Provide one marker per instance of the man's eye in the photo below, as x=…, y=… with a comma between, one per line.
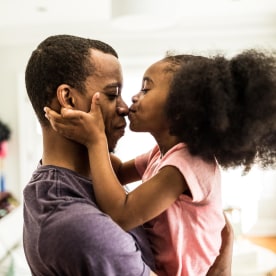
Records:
x=112, y=97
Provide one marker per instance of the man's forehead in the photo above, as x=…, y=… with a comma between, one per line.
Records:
x=107, y=65
x=107, y=70
x=98, y=56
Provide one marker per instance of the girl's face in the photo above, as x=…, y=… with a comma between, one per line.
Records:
x=147, y=113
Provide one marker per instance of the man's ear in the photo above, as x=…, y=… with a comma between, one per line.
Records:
x=65, y=96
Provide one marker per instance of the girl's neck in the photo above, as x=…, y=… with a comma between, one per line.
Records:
x=166, y=142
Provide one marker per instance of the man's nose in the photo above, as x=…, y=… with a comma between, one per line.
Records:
x=122, y=108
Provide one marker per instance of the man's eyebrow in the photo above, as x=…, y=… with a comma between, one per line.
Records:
x=112, y=86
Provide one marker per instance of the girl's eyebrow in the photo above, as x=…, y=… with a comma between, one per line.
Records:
x=147, y=79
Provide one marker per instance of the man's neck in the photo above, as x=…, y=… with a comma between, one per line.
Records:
x=62, y=152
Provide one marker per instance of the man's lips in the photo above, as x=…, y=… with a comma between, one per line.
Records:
x=123, y=126
x=121, y=129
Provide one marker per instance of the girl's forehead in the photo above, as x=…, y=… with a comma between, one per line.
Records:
x=157, y=67
x=157, y=74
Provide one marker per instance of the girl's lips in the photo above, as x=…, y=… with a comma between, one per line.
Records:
x=131, y=108
x=131, y=112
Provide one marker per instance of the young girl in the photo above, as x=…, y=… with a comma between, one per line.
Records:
x=202, y=112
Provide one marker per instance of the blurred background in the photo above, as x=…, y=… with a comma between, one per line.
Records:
x=141, y=32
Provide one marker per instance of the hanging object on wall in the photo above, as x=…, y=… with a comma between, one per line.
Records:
x=4, y=137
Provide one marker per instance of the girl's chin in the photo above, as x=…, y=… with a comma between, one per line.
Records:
x=136, y=128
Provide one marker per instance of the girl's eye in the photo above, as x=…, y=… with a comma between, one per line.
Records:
x=144, y=90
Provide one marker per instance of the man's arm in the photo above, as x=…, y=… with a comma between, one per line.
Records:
x=223, y=263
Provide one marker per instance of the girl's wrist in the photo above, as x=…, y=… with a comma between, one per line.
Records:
x=100, y=142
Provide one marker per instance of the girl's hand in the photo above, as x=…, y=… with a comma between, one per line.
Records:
x=82, y=127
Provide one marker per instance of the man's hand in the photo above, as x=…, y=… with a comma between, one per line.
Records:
x=223, y=263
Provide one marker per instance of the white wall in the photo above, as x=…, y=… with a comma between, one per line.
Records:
x=12, y=63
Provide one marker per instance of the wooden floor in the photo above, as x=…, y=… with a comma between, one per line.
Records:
x=267, y=242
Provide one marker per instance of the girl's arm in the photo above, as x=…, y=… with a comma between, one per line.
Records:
x=142, y=204
x=128, y=210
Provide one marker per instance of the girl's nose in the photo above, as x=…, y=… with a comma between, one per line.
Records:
x=135, y=98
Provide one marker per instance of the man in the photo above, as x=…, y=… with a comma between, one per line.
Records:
x=65, y=233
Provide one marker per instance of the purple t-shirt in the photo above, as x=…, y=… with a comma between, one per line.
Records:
x=65, y=233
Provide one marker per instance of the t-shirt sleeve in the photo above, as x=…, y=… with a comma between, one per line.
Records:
x=199, y=175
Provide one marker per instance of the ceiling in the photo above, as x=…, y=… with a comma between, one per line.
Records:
x=144, y=26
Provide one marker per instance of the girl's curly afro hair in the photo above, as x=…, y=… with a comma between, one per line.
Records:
x=225, y=108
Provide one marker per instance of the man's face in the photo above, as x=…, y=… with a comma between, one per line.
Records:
x=108, y=80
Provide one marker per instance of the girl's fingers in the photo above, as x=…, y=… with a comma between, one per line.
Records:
x=62, y=118
x=96, y=106
x=70, y=113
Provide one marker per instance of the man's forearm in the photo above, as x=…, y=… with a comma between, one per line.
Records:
x=223, y=263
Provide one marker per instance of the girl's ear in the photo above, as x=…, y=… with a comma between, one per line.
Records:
x=65, y=96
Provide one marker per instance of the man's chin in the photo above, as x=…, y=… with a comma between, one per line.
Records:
x=111, y=150
x=111, y=147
